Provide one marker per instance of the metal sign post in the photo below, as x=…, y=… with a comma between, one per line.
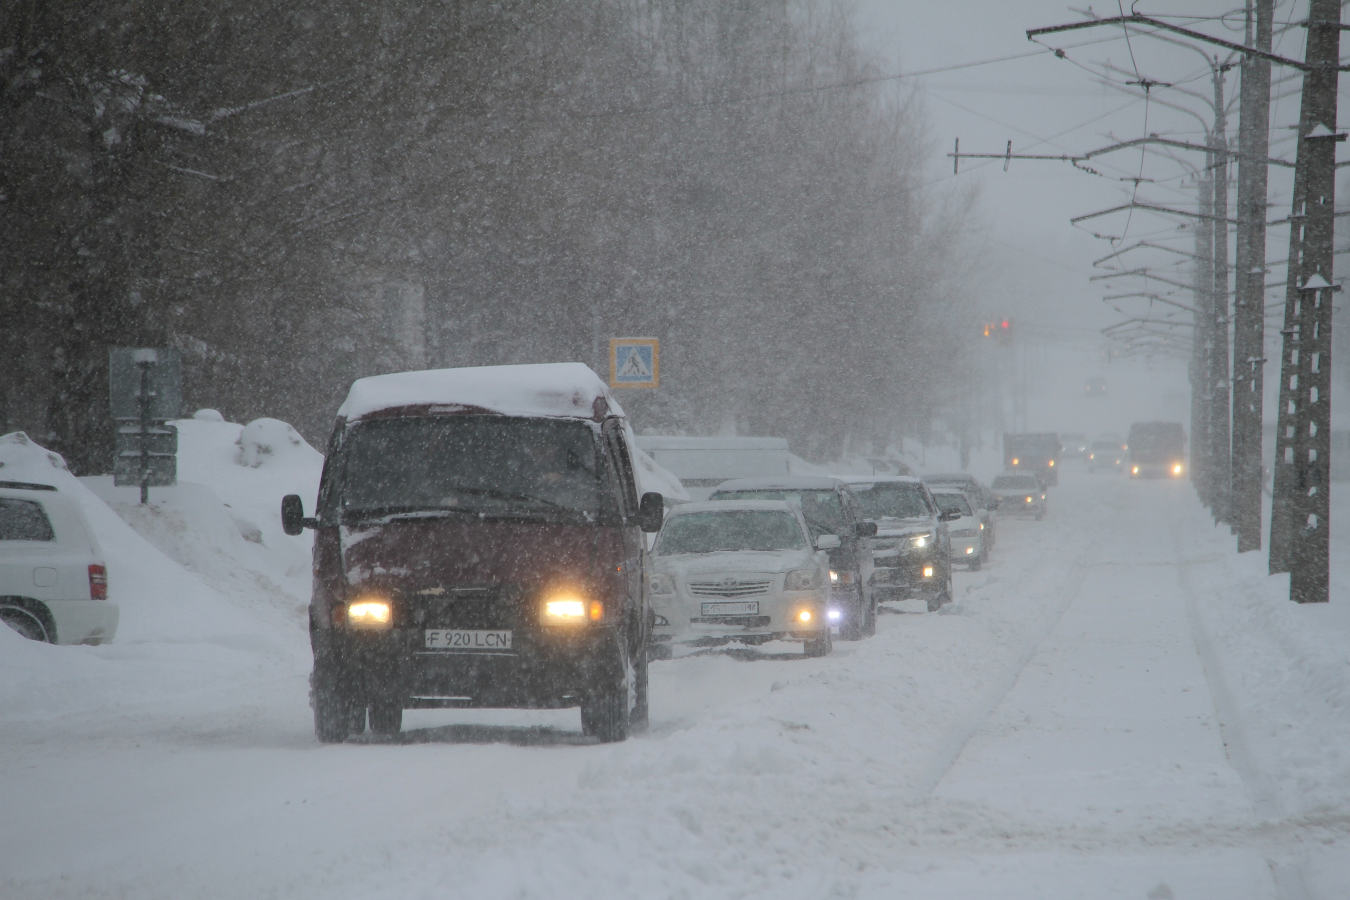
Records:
x=144, y=393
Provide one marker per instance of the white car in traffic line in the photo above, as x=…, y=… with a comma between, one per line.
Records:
x=967, y=532
x=740, y=570
x=53, y=577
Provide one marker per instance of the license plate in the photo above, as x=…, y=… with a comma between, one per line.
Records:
x=740, y=608
x=465, y=639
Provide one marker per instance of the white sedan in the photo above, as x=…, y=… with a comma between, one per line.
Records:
x=740, y=570
x=53, y=579
x=967, y=532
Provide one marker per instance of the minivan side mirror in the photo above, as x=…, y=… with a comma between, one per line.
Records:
x=651, y=510
x=866, y=529
x=828, y=542
x=950, y=515
x=293, y=519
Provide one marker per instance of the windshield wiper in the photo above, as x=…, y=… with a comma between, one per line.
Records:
x=498, y=494
x=405, y=511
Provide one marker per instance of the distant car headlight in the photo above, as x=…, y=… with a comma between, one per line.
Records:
x=919, y=541
x=802, y=580
x=834, y=614
x=982, y=526
x=662, y=583
x=1177, y=469
x=837, y=577
x=1031, y=499
x=370, y=612
x=1052, y=463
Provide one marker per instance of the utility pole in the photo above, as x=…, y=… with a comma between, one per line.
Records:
x=1300, y=516
x=1249, y=307
x=1218, y=349
x=1203, y=471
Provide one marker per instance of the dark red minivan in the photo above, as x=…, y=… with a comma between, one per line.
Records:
x=479, y=543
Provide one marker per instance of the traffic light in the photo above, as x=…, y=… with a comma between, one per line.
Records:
x=1000, y=330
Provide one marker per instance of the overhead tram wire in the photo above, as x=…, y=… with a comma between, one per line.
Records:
x=832, y=86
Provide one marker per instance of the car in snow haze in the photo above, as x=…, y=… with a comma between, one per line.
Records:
x=479, y=543
x=966, y=529
x=981, y=497
x=911, y=552
x=1019, y=494
x=1107, y=454
x=829, y=508
x=740, y=570
x=53, y=577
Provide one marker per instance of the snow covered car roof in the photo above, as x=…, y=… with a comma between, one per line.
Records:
x=784, y=482
x=857, y=480
x=728, y=505
x=565, y=390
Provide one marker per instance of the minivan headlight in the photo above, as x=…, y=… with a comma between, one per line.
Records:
x=571, y=609
x=802, y=580
x=919, y=541
x=371, y=612
x=662, y=583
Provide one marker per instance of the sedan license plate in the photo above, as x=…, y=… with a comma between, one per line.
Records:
x=739, y=608
x=467, y=639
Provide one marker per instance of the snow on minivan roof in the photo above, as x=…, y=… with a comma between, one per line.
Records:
x=570, y=390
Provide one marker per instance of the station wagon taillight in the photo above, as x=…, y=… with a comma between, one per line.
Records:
x=98, y=582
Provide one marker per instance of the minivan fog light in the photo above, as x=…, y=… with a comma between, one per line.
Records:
x=369, y=612
x=804, y=616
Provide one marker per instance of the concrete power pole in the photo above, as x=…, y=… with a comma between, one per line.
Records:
x=1218, y=391
x=1202, y=376
x=1300, y=516
x=1249, y=308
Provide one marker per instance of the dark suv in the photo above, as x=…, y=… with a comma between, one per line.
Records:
x=829, y=507
x=479, y=543
x=912, y=549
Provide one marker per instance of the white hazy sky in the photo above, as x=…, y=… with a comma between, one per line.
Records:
x=1040, y=263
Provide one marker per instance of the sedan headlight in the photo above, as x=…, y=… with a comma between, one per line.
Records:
x=370, y=612
x=919, y=541
x=662, y=583
x=802, y=580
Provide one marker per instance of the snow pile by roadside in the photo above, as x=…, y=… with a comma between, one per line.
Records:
x=1287, y=674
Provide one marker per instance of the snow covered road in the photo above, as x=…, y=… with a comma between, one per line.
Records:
x=1079, y=723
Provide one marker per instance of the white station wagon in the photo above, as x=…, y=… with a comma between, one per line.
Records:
x=740, y=570
x=53, y=579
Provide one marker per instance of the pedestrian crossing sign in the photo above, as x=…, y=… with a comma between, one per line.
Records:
x=634, y=362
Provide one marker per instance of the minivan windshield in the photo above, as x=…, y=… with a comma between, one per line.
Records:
x=892, y=500
x=490, y=465
x=733, y=529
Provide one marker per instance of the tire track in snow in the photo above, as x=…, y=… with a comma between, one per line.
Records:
x=941, y=762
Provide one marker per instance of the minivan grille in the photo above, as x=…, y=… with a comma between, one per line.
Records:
x=730, y=587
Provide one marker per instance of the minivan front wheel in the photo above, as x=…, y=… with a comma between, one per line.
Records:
x=386, y=717
x=333, y=714
x=605, y=709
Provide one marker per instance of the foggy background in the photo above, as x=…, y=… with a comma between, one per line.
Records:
x=298, y=196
